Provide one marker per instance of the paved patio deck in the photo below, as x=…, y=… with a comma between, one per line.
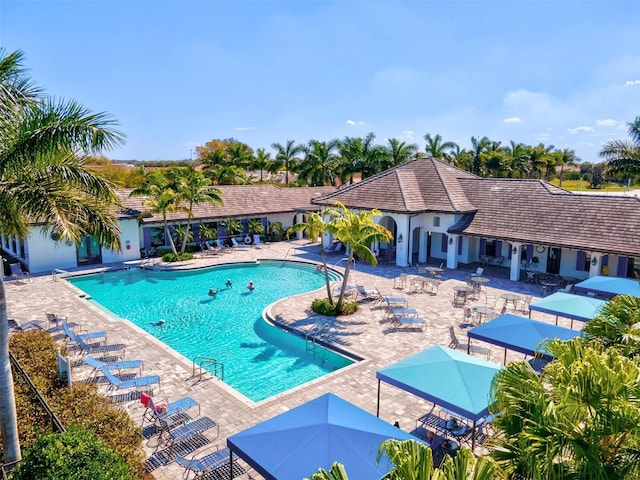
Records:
x=366, y=333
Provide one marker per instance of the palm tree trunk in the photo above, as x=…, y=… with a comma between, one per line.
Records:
x=345, y=281
x=326, y=272
x=167, y=233
x=8, y=418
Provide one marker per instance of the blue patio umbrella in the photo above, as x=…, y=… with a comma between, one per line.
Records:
x=609, y=287
x=454, y=380
x=296, y=443
x=520, y=334
x=567, y=305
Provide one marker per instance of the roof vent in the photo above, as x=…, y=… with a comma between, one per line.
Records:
x=496, y=188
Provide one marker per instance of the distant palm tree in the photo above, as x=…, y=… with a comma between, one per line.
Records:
x=287, y=157
x=436, y=148
x=43, y=177
x=624, y=156
x=517, y=158
x=567, y=158
x=193, y=188
x=478, y=147
x=319, y=164
x=262, y=161
x=399, y=153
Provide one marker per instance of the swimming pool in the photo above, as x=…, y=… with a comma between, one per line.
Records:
x=259, y=359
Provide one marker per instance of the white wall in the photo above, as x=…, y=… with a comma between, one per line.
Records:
x=46, y=255
x=130, y=241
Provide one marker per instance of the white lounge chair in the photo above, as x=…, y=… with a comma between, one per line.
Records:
x=257, y=242
x=236, y=244
x=17, y=272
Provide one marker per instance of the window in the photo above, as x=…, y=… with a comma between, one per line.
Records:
x=436, y=221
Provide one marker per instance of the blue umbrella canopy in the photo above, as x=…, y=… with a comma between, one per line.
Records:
x=446, y=377
x=575, y=307
x=315, y=434
x=609, y=286
x=520, y=334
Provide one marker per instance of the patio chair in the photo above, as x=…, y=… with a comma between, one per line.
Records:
x=221, y=245
x=114, y=349
x=164, y=413
x=456, y=345
x=524, y=304
x=186, y=432
x=400, y=281
x=70, y=335
x=407, y=317
x=98, y=365
x=17, y=272
x=208, y=464
x=115, y=383
x=257, y=242
x=236, y=244
x=367, y=294
x=210, y=249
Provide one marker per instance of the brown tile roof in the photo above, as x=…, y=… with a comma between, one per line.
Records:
x=421, y=185
x=244, y=201
x=533, y=211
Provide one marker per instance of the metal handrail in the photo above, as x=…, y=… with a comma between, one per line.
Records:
x=218, y=367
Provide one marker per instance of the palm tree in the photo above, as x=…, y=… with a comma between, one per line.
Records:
x=624, y=156
x=357, y=232
x=360, y=155
x=232, y=226
x=315, y=227
x=577, y=420
x=517, y=158
x=159, y=198
x=618, y=325
x=319, y=164
x=436, y=148
x=262, y=161
x=478, y=147
x=43, y=176
x=194, y=188
x=566, y=158
x=399, y=153
x=286, y=157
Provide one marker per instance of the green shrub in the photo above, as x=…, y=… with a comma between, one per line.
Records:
x=73, y=455
x=322, y=306
x=81, y=405
x=177, y=257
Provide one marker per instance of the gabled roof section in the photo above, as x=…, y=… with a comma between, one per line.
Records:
x=244, y=201
x=421, y=185
x=534, y=211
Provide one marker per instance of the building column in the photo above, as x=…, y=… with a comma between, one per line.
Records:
x=299, y=219
x=402, y=242
x=514, y=271
x=594, y=267
x=422, y=248
x=452, y=251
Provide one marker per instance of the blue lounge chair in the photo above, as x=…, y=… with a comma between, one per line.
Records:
x=203, y=465
x=93, y=349
x=137, y=382
x=162, y=412
x=70, y=335
x=236, y=244
x=98, y=365
x=186, y=432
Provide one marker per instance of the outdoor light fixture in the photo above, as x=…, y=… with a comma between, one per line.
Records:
x=515, y=250
x=594, y=261
x=400, y=238
x=450, y=240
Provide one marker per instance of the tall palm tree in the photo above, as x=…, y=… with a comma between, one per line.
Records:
x=315, y=227
x=399, y=153
x=436, y=148
x=517, y=158
x=193, y=188
x=43, y=176
x=566, y=158
x=286, y=156
x=360, y=155
x=262, y=161
x=159, y=198
x=478, y=147
x=320, y=162
x=577, y=420
x=624, y=156
x=357, y=232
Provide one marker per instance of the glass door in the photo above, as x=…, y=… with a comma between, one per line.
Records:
x=89, y=251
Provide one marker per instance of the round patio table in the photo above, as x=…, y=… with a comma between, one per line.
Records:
x=480, y=280
x=510, y=298
x=433, y=271
x=483, y=312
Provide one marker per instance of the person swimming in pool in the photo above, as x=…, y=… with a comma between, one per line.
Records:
x=251, y=286
x=229, y=284
x=159, y=323
x=213, y=291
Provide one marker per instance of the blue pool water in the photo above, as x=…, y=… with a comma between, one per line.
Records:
x=259, y=360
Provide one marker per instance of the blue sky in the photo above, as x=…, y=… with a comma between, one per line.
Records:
x=176, y=74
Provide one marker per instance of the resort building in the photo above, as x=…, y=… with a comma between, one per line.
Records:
x=436, y=212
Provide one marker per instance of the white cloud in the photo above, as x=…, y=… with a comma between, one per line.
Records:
x=582, y=129
x=631, y=83
x=353, y=122
x=244, y=128
x=608, y=122
x=512, y=120
x=524, y=100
